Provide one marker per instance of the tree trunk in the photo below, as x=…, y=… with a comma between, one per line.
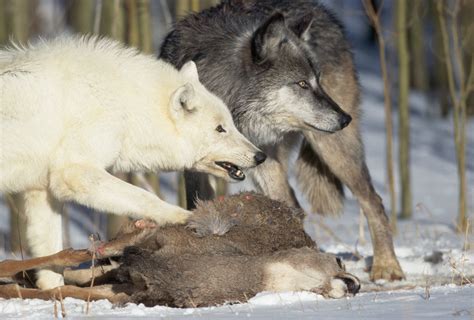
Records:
x=114, y=222
x=458, y=96
x=3, y=23
x=465, y=76
x=419, y=77
x=146, y=45
x=182, y=8
x=375, y=20
x=144, y=26
x=404, y=111
x=112, y=19
x=133, y=35
x=221, y=187
x=17, y=21
x=181, y=191
x=18, y=243
x=440, y=76
x=112, y=24
x=467, y=36
x=81, y=16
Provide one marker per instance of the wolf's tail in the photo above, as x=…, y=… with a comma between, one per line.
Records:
x=321, y=187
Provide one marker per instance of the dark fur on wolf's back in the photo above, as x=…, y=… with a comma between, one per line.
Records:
x=243, y=224
x=245, y=50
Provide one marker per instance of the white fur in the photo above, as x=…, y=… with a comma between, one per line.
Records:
x=73, y=107
x=282, y=277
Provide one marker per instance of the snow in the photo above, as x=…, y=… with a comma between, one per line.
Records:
x=447, y=302
x=429, y=290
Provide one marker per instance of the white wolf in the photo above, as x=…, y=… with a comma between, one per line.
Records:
x=72, y=107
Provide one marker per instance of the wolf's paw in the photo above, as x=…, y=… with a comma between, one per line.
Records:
x=387, y=270
x=48, y=279
x=180, y=217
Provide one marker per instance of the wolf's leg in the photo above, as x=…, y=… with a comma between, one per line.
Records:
x=96, y=188
x=271, y=179
x=197, y=187
x=343, y=153
x=321, y=187
x=44, y=232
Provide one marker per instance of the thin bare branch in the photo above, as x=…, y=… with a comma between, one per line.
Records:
x=375, y=20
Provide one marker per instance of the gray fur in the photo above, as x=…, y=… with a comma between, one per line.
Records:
x=251, y=53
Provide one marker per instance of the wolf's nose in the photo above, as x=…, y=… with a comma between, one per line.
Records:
x=345, y=120
x=260, y=157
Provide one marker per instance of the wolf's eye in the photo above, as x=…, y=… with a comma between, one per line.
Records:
x=303, y=84
x=220, y=129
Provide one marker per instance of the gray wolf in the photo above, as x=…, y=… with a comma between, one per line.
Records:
x=246, y=244
x=286, y=71
x=71, y=108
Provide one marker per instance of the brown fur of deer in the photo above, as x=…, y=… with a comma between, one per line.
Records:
x=230, y=250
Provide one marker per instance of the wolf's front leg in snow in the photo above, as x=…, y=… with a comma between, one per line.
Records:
x=96, y=188
x=44, y=232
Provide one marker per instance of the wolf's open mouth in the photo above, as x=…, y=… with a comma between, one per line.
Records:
x=234, y=171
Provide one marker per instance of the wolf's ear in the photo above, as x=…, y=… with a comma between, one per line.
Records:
x=181, y=101
x=189, y=71
x=302, y=27
x=267, y=38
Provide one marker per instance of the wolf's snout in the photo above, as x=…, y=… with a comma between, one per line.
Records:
x=345, y=120
x=260, y=157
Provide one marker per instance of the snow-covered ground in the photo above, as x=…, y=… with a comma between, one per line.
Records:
x=450, y=302
x=433, y=256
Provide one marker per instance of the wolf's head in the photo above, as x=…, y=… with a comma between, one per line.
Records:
x=288, y=75
x=205, y=123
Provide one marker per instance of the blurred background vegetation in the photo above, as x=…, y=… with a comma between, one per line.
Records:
x=424, y=46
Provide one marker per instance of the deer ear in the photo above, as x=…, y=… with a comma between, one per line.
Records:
x=189, y=71
x=302, y=27
x=267, y=38
x=181, y=101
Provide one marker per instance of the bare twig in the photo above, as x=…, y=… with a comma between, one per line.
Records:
x=93, y=249
x=459, y=103
x=375, y=21
x=61, y=302
x=55, y=307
